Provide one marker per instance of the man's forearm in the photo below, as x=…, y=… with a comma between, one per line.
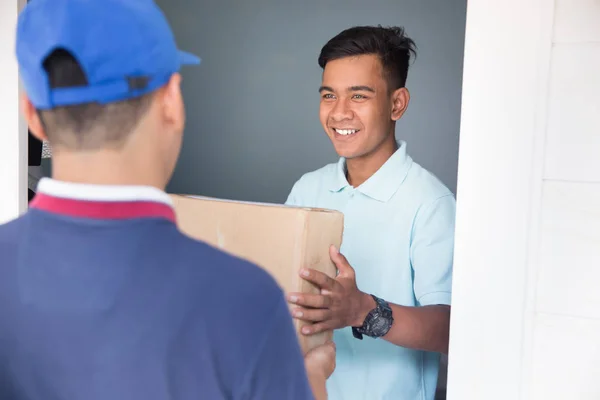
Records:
x=423, y=328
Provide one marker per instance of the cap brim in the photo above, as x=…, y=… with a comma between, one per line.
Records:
x=186, y=58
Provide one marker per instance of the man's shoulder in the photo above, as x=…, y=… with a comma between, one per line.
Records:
x=319, y=176
x=11, y=235
x=14, y=224
x=310, y=184
x=240, y=305
x=226, y=283
x=223, y=267
x=11, y=231
x=426, y=187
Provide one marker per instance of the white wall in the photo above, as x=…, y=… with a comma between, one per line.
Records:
x=526, y=306
x=13, y=130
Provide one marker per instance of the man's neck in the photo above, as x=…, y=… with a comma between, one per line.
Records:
x=104, y=169
x=359, y=169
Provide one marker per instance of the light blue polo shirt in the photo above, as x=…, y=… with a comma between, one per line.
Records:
x=399, y=237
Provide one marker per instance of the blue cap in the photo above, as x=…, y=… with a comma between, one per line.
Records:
x=113, y=41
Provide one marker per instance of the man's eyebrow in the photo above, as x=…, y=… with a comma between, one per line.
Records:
x=362, y=89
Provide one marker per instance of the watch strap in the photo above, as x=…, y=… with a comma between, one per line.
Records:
x=381, y=310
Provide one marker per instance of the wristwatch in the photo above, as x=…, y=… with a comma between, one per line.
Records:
x=377, y=323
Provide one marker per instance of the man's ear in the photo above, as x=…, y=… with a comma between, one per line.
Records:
x=171, y=103
x=400, y=100
x=32, y=117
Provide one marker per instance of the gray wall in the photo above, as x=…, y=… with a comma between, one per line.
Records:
x=252, y=106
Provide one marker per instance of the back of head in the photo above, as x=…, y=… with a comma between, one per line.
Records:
x=91, y=79
x=88, y=126
x=391, y=45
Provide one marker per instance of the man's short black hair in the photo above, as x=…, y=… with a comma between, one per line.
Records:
x=391, y=45
x=90, y=126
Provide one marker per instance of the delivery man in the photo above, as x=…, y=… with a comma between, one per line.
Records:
x=101, y=297
x=390, y=303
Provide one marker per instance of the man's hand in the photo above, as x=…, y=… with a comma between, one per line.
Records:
x=320, y=361
x=320, y=364
x=339, y=304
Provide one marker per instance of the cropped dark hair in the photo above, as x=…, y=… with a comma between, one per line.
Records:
x=90, y=126
x=391, y=45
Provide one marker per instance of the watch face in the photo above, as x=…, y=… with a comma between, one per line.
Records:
x=380, y=325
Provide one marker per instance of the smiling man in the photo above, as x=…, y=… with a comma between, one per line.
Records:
x=390, y=303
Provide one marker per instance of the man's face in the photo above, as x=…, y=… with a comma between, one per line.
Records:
x=357, y=109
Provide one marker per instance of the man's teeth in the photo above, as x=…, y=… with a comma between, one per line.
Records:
x=346, y=131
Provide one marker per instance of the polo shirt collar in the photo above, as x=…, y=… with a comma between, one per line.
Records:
x=382, y=185
x=102, y=201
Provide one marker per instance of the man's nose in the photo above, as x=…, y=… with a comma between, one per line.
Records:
x=341, y=111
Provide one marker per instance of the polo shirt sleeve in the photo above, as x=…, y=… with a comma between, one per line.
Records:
x=432, y=251
x=295, y=196
x=278, y=372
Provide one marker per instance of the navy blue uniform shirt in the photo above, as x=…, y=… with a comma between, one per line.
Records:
x=103, y=298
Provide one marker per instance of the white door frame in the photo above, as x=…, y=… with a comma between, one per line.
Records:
x=506, y=69
x=13, y=131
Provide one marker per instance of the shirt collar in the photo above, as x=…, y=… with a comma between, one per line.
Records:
x=384, y=182
x=102, y=201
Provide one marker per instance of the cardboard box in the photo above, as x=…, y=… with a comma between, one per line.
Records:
x=280, y=239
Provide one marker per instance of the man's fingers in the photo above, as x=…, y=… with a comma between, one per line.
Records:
x=318, y=278
x=310, y=300
x=311, y=315
x=317, y=328
x=340, y=261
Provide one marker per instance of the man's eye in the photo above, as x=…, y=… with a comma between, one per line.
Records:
x=328, y=96
x=358, y=96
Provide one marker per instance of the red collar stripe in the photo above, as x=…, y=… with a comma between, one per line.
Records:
x=102, y=209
